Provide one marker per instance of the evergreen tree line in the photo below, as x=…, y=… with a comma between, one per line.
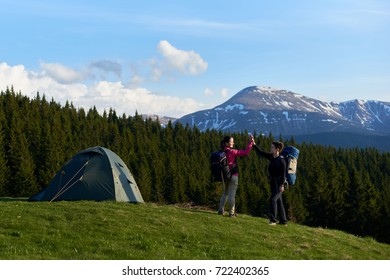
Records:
x=346, y=189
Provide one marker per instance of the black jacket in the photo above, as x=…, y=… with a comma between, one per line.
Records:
x=276, y=167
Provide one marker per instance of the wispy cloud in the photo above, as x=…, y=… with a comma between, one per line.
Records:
x=359, y=15
x=225, y=92
x=62, y=74
x=208, y=92
x=96, y=70
x=108, y=67
x=195, y=23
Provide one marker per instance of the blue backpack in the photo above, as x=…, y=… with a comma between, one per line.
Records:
x=291, y=155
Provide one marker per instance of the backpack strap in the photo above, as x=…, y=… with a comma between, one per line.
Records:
x=282, y=158
x=223, y=180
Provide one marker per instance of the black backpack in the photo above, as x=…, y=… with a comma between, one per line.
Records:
x=219, y=166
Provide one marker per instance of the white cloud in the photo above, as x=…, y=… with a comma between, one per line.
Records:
x=136, y=80
x=186, y=62
x=29, y=83
x=208, y=92
x=224, y=92
x=102, y=94
x=101, y=69
x=127, y=100
x=62, y=73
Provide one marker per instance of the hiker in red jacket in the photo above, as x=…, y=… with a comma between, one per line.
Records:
x=277, y=179
x=229, y=193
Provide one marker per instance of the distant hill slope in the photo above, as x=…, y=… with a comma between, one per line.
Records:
x=347, y=140
x=281, y=112
x=121, y=231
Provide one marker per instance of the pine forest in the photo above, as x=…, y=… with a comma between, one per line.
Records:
x=345, y=189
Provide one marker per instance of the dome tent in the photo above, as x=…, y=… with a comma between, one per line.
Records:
x=96, y=173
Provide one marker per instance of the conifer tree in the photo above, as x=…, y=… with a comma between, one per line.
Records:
x=144, y=181
x=368, y=207
x=4, y=169
x=340, y=197
x=22, y=167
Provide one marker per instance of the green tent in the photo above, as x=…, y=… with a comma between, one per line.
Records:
x=97, y=174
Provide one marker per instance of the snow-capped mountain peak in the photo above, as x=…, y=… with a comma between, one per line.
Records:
x=266, y=109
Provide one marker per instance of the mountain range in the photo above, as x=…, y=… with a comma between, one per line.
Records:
x=268, y=110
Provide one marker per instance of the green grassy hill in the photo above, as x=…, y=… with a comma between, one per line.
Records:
x=117, y=231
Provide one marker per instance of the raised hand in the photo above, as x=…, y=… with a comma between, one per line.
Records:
x=252, y=139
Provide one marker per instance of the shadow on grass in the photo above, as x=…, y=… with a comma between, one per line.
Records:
x=5, y=199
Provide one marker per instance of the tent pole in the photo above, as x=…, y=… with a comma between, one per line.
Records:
x=61, y=191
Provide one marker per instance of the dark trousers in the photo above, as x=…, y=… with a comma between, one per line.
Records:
x=276, y=203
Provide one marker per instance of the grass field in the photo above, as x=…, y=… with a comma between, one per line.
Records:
x=120, y=231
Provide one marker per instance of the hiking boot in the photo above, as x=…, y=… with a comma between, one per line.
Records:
x=233, y=215
x=220, y=212
x=272, y=223
x=283, y=224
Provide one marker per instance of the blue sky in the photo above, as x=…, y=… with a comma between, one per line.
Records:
x=175, y=57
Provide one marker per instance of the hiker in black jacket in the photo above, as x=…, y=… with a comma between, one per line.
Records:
x=277, y=179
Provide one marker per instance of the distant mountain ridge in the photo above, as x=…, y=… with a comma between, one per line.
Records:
x=162, y=120
x=282, y=112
